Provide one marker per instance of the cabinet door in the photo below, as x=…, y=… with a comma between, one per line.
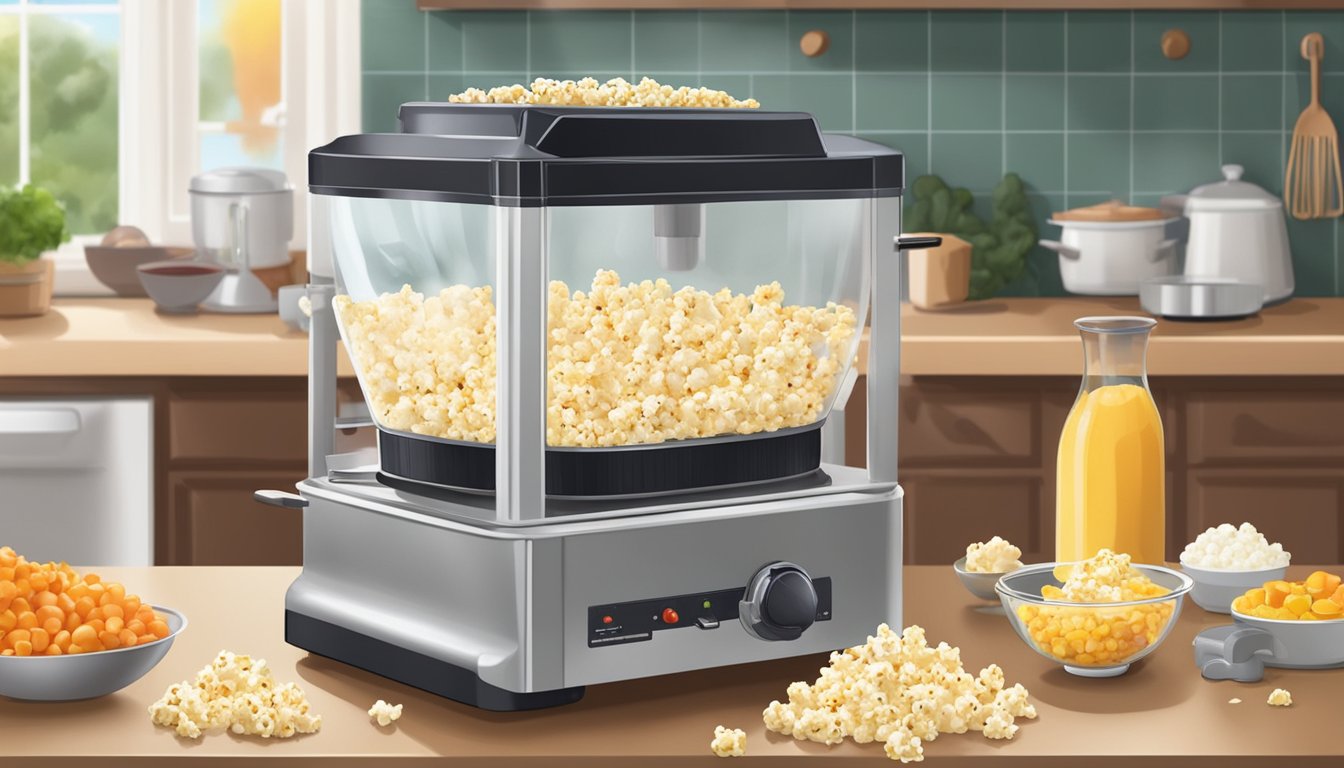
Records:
x=222, y=423
x=215, y=521
x=945, y=510
x=1301, y=508
x=1280, y=426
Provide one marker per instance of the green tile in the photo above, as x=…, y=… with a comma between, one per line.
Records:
x=1035, y=41
x=1297, y=94
x=1261, y=154
x=580, y=41
x=1038, y=158
x=1248, y=102
x=966, y=41
x=666, y=40
x=494, y=41
x=829, y=98
x=392, y=36
x=838, y=25
x=915, y=147
x=1084, y=200
x=1250, y=43
x=1099, y=162
x=747, y=41
x=1098, y=103
x=967, y=102
x=441, y=86
x=1098, y=41
x=1034, y=102
x=1169, y=163
x=971, y=160
x=891, y=41
x=382, y=95
x=1312, y=244
x=1170, y=102
x=445, y=42
x=738, y=86
x=1331, y=26
x=1202, y=27
x=892, y=102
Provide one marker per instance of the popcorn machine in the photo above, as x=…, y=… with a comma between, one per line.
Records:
x=600, y=347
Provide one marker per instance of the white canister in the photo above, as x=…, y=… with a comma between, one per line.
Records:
x=1112, y=258
x=265, y=202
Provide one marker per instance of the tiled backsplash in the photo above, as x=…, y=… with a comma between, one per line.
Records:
x=1082, y=104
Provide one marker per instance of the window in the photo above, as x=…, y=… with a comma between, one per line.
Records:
x=115, y=104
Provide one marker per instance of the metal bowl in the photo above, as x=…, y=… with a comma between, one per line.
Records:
x=1215, y=590
x=85, y=675
x=979, y=584
x=1301, y=644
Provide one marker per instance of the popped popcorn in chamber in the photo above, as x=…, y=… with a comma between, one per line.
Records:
x=898, y=690
x=994, y=556
x=627, y=364
x=616, y=92
x=237, y=693
x=728, y=742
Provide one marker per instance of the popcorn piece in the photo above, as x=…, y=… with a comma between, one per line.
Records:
x=616, y=92
x=627, y=364
x=1280, y=697
x=1239, y=549
x=385, y=713
x=993, y=556
x=898, y=690
x=237, y=693
x=1234, y=700
x=729, y=742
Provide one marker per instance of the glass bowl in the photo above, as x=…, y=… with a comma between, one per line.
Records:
x=1090, y=639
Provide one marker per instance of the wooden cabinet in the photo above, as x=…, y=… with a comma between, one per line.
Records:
x=978, y=459
x=213, y=519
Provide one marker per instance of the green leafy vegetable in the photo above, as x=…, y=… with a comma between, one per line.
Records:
x=31, y=221
x=999, y=250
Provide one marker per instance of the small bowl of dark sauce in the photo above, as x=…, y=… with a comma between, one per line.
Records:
x=178, y=287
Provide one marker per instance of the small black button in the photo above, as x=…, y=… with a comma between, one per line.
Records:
x=707, y=622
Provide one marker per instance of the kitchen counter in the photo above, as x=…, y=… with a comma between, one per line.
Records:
x=1161, y=712
x=1036, y=337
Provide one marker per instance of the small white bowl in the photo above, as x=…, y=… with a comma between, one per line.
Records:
x=85, y=675
x=1215, y=590
x=979, y=584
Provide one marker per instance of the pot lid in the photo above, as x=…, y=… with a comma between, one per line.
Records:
x=234, y=181
x=1111, y=210
x=1230, y=194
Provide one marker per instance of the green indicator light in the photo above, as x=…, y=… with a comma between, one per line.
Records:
x=706, y=604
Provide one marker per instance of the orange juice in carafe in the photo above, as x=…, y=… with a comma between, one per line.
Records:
x=1110, y=483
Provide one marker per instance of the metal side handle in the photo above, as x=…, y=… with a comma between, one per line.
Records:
x=283, y=499
x=911, y=243
x=1233, y=652
x=39, y=421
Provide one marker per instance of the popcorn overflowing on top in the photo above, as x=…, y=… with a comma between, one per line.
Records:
x=1239, y=549
x=616, y=92
x=1107, y=577
x=994, y=556
x=728, y=742
x=627, y=364
x=898, y=690
x=237, y=693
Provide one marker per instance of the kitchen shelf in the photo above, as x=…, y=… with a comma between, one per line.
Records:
x=942, y=5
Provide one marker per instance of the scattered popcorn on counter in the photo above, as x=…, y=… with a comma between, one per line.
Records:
x=628, y=364
x=1234, y=701
x=729, y=742
x=898, y=690
x=237, y=693
x=385, y=713
x=616, y=92
x=994, y=556
x=1234, y=549
x=1280, y=697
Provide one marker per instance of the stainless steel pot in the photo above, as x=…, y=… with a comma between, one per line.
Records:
x=242, y=214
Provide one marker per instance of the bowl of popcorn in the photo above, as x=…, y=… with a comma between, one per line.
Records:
x=66, y=636
x=1226, y=561
x=984, y=563
x=1107, y=614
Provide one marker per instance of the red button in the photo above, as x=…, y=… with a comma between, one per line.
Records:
x=670, y=616
x=606, y=619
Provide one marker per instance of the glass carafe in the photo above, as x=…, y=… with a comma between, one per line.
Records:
x=1110, y=481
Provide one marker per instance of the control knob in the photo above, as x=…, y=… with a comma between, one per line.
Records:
x=779, y=603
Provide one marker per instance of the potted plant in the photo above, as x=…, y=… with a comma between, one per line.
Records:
x=32, y=221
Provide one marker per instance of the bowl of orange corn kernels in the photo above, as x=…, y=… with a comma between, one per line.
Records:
x=1305, y=619
x=1093, y=635
x=66, y=635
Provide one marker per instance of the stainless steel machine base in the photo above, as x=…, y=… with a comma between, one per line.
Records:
x=523, y=616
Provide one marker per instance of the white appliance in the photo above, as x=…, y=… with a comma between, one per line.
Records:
x=1112, y=258
x=242, y=218
x=77, y=478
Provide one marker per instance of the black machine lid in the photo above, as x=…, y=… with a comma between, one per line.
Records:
x=535, y=155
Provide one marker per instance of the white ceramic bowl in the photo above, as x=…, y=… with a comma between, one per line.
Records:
x=85, y=675
x=1215, y=590
x=979, y=584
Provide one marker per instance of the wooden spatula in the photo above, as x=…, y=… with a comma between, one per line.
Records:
x=1312, y=184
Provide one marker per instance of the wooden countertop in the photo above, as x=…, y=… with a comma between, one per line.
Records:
x=1162, y=712
x=1036, y=337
